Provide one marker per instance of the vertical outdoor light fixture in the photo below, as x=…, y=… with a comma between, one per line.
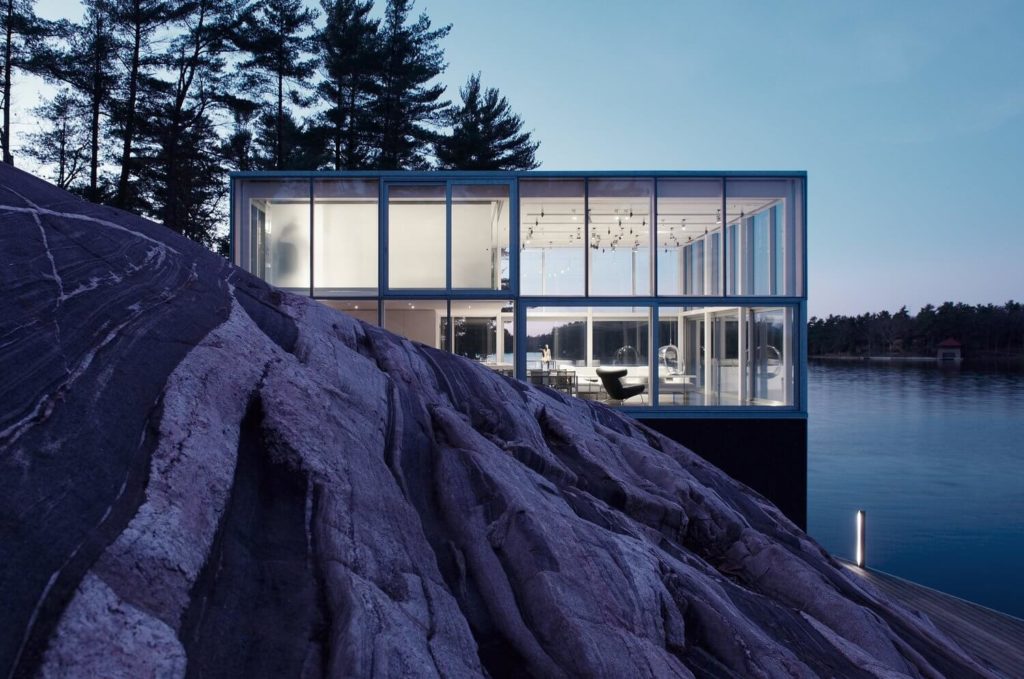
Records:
x=861, y=537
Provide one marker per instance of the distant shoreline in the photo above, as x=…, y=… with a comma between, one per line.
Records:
x=886, y=359
x=975, y=358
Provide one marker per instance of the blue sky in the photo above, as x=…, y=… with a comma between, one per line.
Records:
x=908, y=117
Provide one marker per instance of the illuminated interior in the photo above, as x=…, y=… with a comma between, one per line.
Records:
x=657, y=292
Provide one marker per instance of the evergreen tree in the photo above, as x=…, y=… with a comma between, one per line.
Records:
x=182, y=170
x=350, y=60
x=276, y=37
x=87, y=66
x=135, y=23
x=407, y=107
x=63, y=143
x=23, y=35
x=486, y=134
x=239, y=149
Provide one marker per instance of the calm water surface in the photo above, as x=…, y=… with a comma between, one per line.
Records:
x=936, y=458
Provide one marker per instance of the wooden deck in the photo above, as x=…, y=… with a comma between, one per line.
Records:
x=994, y=639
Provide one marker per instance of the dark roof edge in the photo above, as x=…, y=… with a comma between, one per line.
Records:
x=504, y=174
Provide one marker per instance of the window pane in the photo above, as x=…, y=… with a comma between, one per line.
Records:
x=620, y=227
x=345, y=236
x=689, y=215
x=480, y=227
x=771, y=366
x=566, y=347
x=551, y=237
x=277, y=226
x=416, y=236
x=727, y=356
x=560, y=331
x=680, y=356
x=483, y=331
x=363, y=309
x=424, y=321
x=766, y=246
x=761, y=262
x=620, y=341
x=693, y=258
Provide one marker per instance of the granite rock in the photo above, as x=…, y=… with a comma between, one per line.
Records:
x=203, y=476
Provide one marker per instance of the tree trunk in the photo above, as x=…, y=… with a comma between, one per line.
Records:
x=62, y=155
x=94, y=122
x=337, y=129
x=5, y=134
x=129, y=123
x=280, y=120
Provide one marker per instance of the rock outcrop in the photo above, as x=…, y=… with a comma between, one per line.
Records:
x=202, y=476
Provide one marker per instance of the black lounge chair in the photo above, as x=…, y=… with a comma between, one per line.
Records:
x=611, y=378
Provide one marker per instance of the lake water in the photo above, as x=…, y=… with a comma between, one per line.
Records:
x=936, y=458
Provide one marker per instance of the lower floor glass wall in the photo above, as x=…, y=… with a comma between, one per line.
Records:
x=597, y=353
x=484, y=330
x=726, y=356
x=697, y=355
x=421, y=320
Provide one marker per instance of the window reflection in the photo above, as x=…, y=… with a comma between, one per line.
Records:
x=483, y=330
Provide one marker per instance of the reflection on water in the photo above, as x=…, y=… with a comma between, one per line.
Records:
x=936, y=457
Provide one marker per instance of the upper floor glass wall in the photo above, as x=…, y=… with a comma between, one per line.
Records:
x=417, y=236
x=274, y=223
x=345, y=234
x=690, y=237
x=480, y=236
x=764, y=237
x=551, y=227
x=620, y=213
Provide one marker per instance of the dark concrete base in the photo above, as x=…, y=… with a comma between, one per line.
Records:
x=778, y=470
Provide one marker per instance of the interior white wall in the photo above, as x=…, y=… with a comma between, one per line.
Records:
x=419, y=325
x=345, y=254
x=288, y=244
x=473, y=242
x=416, y=245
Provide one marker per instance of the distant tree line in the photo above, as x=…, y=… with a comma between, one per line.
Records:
x=982, y=329
x=158, y=99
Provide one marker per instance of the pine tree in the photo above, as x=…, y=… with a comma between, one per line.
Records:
x=275, y=36
x=181, y=168
x=350, y=60
x=62, y=144
x=136, y=23
x=22, y=33
x=486, y=134
x=407, y=106
x=87, y=66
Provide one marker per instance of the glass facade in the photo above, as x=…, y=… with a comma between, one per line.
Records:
x=345, y=220
x=620, y=214
x=551, y=235
x=480, y=236
x=667, y=292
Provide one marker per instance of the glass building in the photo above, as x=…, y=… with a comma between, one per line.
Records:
x=676, y=296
